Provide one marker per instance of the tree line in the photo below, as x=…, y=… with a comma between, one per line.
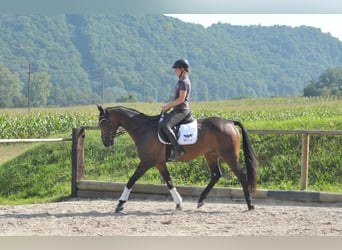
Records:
x=328, y=84
x=76, y=59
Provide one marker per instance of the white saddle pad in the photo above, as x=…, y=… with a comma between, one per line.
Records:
x=188, y=133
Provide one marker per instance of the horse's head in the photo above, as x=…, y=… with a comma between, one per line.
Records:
x=108, y=129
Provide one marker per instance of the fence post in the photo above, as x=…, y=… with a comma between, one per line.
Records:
x=77, y=158
x=305, y=161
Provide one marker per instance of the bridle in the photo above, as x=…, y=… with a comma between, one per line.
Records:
x=112, y=134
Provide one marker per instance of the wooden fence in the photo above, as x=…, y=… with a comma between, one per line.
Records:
x=79, y=185
x=78, y=134
x=34, y=140
x=305, y=146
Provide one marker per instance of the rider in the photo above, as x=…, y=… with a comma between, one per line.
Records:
x=180, y=105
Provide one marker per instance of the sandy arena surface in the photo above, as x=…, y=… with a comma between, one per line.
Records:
x=95, y=217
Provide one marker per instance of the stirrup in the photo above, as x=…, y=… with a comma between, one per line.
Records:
x=173, y=156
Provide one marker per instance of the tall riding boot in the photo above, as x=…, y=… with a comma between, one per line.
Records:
x=177, y=150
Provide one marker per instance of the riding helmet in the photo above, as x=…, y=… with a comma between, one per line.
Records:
x=181, y=63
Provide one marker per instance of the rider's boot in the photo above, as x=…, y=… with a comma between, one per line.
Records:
x=177, y=150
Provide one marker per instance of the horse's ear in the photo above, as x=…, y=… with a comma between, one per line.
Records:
x=100, y=108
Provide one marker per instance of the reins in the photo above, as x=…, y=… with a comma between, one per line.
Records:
x=121, y=132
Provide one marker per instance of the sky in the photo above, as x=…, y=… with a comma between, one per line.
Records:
x=328, y=23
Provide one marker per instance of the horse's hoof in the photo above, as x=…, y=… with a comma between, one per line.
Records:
x=118, y=209
x=178, y=207
x=200, y=204
x=251, y=207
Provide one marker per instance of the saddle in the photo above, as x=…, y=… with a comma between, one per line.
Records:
x=185, y=131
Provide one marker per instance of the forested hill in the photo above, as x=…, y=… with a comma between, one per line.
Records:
x=131, y=56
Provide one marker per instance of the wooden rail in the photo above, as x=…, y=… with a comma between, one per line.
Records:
x=78, y=135
x=78, y=152
x=95, y=189
x=34, y=140
x=305, y=146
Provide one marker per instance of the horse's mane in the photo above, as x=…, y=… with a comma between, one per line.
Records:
x=133, y=112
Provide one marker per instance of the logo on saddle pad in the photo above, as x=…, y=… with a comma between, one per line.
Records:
x=186, y=134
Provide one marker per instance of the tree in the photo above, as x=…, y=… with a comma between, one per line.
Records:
x=40, y=89
x=136, y=53
x=329, y=83
x=10, y=89
x=331, y=76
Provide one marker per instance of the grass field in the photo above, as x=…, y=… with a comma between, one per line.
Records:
x=39, y=172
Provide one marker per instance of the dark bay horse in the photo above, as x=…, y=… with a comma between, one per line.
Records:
x=217, y=138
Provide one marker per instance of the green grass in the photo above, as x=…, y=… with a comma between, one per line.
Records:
x=42, y=172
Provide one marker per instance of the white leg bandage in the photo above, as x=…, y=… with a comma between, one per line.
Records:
x=175, y=195
x=125, y=194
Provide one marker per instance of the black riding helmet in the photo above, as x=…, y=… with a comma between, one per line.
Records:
x=181, y=63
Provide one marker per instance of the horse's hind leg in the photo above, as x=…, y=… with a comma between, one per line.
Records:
x=236, y=168
x=243, y=180
x=212, y=160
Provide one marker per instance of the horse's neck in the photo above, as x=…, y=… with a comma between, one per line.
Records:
x=132, y=120
x=129, y=119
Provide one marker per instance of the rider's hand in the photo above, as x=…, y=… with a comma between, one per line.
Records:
x=166, y=108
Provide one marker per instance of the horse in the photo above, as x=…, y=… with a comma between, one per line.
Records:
x=218, y=138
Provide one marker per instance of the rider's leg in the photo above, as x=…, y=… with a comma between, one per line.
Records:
x=177, y=150
x=171, y=120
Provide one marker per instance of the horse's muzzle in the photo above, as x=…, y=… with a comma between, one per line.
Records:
x=108, y=143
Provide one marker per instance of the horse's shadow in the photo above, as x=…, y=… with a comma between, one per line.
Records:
x=56, y=215
x=97, y=214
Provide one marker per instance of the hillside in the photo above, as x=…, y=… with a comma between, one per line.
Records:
x=131, y=57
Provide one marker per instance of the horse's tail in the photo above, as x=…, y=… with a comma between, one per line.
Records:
x=250, y=159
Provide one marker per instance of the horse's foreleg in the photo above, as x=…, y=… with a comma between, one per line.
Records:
x=216, y=174
x=176, y=198
x=142, y=168
x=122, y=200
x=173, y=191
